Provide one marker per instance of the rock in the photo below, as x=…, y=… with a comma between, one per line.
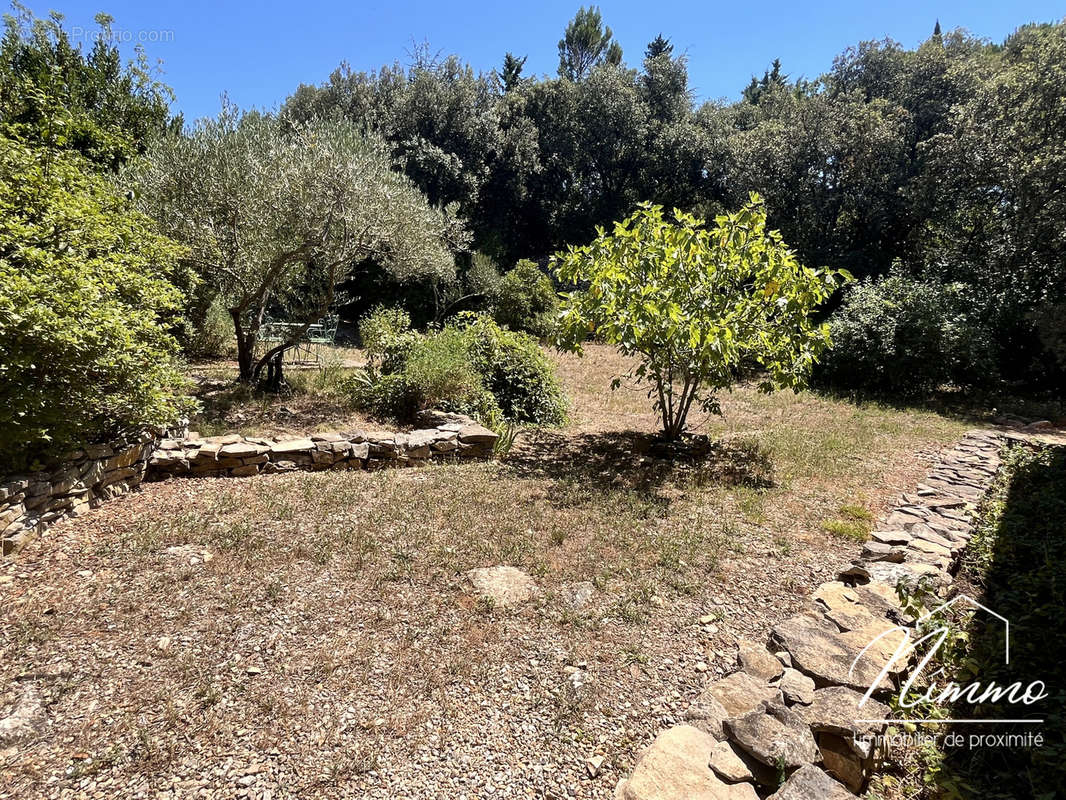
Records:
x=836, y=710
x=241, y=449
x=431, y=418
x=505, y=586
x=578, y=594
x=1039, y=425
x=756, y=660
x=740, y=692
x=292, y=446
x=843, y=763
x=676, y=767
x=784, y=658
x=811, y=783
x=878, y=551
x=727, y=765
x=797, y=687
x=774, y=735
x=708, y=715
x=822, y=653
x=472, y=433
x=593, y=766
x=26, y=719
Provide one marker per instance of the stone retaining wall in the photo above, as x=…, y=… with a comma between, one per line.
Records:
x=30, y=503
x=235, y=456
x=791, y=710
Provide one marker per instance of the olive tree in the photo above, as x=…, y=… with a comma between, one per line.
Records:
x=275, y=214
x=696, y=305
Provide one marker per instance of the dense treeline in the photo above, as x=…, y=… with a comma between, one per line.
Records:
x=936, y=176
x=947, y=159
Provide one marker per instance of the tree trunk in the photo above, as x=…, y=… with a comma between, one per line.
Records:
x=246, y=341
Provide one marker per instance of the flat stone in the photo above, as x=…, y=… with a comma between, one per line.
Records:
x=708, y=715
x=818, y=650
x=727, y=765
x=811, y=783
x=796, y=687
x=774, y=735
x=292, y=446
x=740, y=693
x=26, y=719
x=241, y=449
x=473, y=433
x=878, y=551
x=837, y=710
x=505, y=586
x=843, y=763
x=676, y=767
x=757, y=661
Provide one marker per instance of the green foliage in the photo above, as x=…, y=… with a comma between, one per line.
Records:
x=516, y=371
x=526, y=301
x=902, y=336
x=381, y=332
x=586, y=43
x=212, y=333
x=56, y=95
x=277, y=214
x=472, y=366
x=1016, y=561
x=695, y=306
x=85, y=302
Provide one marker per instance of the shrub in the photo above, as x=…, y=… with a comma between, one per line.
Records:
x=85, y=305
x=471, y=366
x=526, y=301
x=695, y=305
x=439, y=373
x=903, y=336
x=212, y=334
x=386, y=333
x=516, y=372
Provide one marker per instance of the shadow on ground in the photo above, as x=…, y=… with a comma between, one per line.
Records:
x=1020, y=572
x=639, y=461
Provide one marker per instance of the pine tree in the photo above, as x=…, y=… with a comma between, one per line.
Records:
x=512, y=71
x=586, y=43
x=658, y=47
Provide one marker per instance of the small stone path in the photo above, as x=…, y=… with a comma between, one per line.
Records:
x=792, y=709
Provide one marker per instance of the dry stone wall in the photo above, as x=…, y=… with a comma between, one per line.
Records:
x=237, y=456
x=30, y=503
x=787, y=725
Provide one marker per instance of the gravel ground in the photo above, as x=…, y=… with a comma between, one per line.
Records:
x=311, y=635
x=168, y=676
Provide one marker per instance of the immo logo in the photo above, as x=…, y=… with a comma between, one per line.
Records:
x=948, y=694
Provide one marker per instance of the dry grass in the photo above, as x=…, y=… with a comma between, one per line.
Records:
x=331, y=640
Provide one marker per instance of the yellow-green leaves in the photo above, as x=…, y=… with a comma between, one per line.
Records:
x=698, y=306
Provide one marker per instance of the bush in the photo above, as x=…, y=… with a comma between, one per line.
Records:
x=439, y=373
x=386, y=337
x=902, y=336
x=526, y=301
x=86, y=301
x=516, y=372
x=471, y=366
x=212, y=335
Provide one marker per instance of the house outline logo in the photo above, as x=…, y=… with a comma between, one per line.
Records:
x=953, y=693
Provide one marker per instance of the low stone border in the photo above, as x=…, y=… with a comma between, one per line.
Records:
x=86, y=478
x=453, y=436
x=787, y=721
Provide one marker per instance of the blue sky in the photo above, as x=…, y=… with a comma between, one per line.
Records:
x=258, y=52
